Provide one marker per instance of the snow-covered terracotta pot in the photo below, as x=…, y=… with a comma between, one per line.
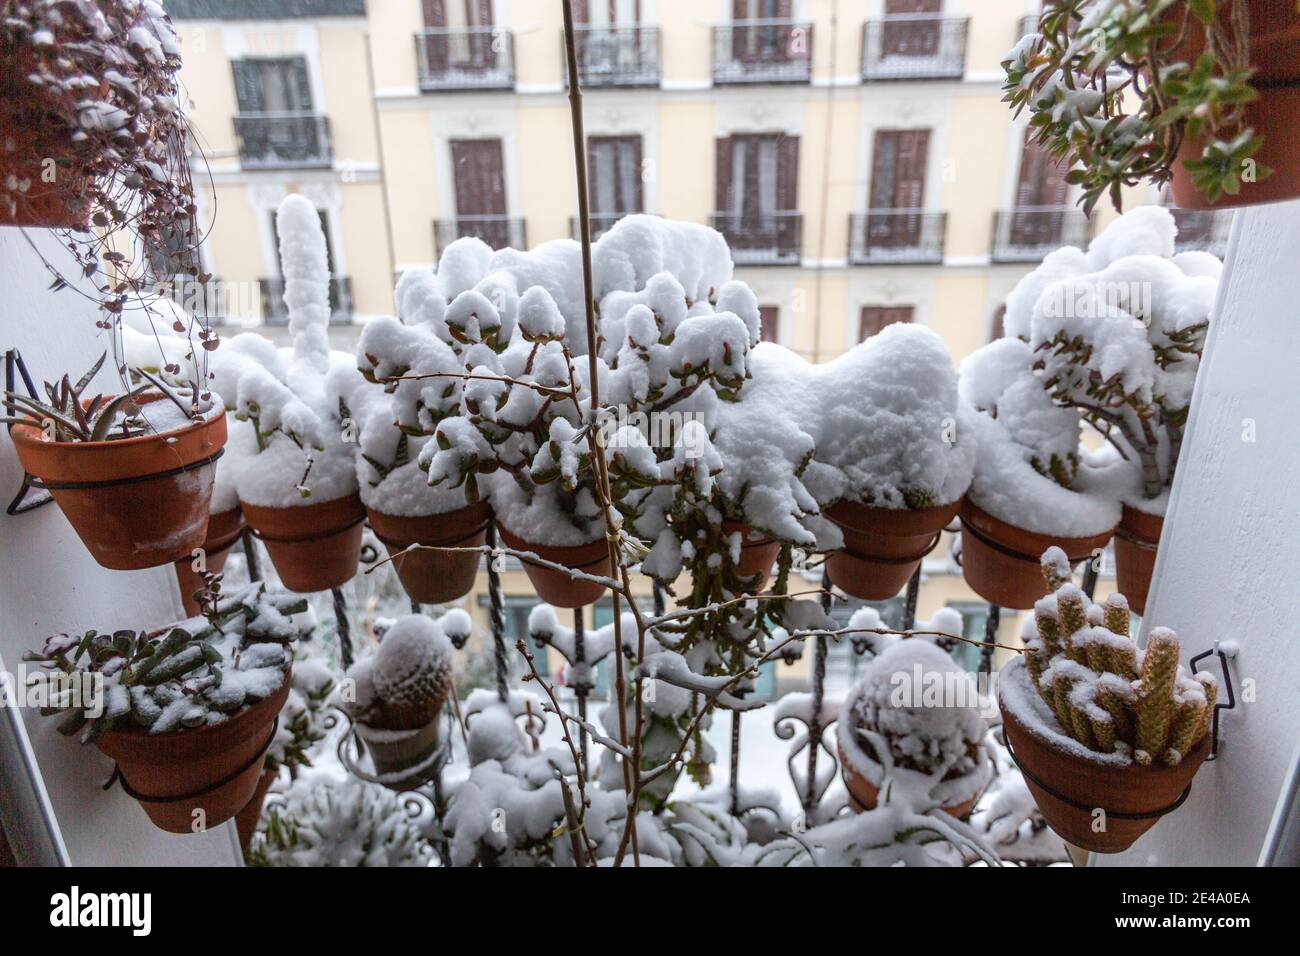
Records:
x=313, y=547
x=555, y=587
x=434, y=577
x=224, y=529
x=757, y=553
x=1136, y=540
x=863, y=793
x=1275, y=58
x=403, y=759
x=1001, y=562
x=214, y=769
x=1071, y=783
x=135, y=502
x=882, y=546
x=246, y=820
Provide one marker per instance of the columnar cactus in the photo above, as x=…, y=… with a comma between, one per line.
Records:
x=1106, y=693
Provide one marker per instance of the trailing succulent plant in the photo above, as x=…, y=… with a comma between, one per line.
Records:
x=1108, y=694
x=190, y=674
x=404, y=684
x=1107, y=86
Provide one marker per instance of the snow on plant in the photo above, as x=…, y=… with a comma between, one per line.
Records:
x=304, y=720
x=295, y=443
x=1107, y=86
x=403, y=685
x=193, y=673
x=1105, y=692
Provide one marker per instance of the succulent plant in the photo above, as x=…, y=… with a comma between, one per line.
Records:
x=1106, y=693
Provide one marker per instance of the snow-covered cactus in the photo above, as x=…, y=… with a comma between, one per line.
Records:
x=404, y=685
x=1107, y=693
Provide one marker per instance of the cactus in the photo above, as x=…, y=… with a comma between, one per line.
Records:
x=407, y=682
x=1105, y=693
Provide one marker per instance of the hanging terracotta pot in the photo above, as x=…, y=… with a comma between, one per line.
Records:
x=1000, y=562
x=1070, y=787
x=757, y=553
x=434, y=577
x=1275, y=57
x=555, y=587
x=1136, y=540
x=313, y=547
x=224, y=529
x=195, y=779
x=882, y=546
x=863, y=794
x=403, y=759
x=135, y=502
x=246, y=820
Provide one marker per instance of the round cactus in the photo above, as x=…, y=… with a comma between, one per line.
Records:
x=412, y=673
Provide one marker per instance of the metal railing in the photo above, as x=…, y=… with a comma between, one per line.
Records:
x=283, y=140
x=601, y=223
x=762, y=51
x=914, y=47
x=274, y=311
x=465, y=58
x=616, y=56
x=1031, y=232
x=898, y=236
x=773, y=238
x=1202, y=230
x=497, y=231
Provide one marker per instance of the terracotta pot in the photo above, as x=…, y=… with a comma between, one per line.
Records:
x=403, y=758
x=757, y=553
x=882, y=546
x=1000, y=562
x=1136, y=540
x=555, y=587
x=224, y=529
x=434, y=577
x=1275, y=56
x=1069, y=788
x=162, y=769
x=246, y=820
x=863, y=793
x=132, y=514
x=313, y=547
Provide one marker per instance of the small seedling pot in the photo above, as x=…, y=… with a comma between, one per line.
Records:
x=757, y=554
x=135, y=502
x=555, y=587
x=883, y=547
x=195, y=779
x=1136, y=540
x=314, y=547
x=1001, y=562
x=1089, y=801
x=224, y=529
x=434, y=577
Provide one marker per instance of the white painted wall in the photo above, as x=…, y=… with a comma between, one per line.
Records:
x=1229, y=562
x=49, y=583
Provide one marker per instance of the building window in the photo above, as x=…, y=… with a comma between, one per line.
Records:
x=1042, y=219
x=478, y=168
x=614, y=180
x=758, y=197
x=276, y=125
x=460, y=48
x=768, y=318
x=876, y=317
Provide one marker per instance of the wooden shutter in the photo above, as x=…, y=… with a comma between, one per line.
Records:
x=580, y=12
x=768, y=316
x=248, y=86
x=788, y=173
x=480, y=177
x=1043, y=189
x=898, y=167
x=911, y=37
x=722, y=194
x=876, y=317
x=301, y=85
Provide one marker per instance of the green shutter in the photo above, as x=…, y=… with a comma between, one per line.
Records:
x=248, y=86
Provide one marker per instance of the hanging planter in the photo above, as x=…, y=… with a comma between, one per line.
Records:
x=55, y=196
x=883, y=547
x=224, y=529
x=132, y=474
x=314, y=547
x=246, y=820
x=1136, y=541
x=757, y=554
x=434, y=577
x=555, y=587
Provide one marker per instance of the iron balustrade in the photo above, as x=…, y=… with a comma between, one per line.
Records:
x=914, y=47
x=283, y=140
x=897, y=236
x=601, y=223
x=274, y=311
x=465, y=58
x=762, y=51
x=1031, y=232
x=773, y=238
x=616, y=56
x=497, y=231
x=1202, y=230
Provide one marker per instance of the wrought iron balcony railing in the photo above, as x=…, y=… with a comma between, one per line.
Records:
x=465, y=58
x=773, y=238
x=283, y=140
x=497, y=231
x=1204, y=230
x=762, y=51
x=601, y=223
x=616, y=56
x=897, y=236
x=1031, y=232
x=914, y=47
x=274, y=311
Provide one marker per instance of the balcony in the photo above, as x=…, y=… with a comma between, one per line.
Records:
x=1031, y=232
x=897, y=237
x=283, y=140
x=616, y=56
x=497, y=231
x=762, y=51
x=274, y=311
x=1026, y=25
x=465, y=58
x=1202, y=230
x=914, y=47
x=773, y=238
x=601, y=223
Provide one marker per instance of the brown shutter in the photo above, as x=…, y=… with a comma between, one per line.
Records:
x=788, y=172
x=435, y=13
x=722, y=180
x=580, y=14
x=637, y=196
x=876, y=317
x=768, y=317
